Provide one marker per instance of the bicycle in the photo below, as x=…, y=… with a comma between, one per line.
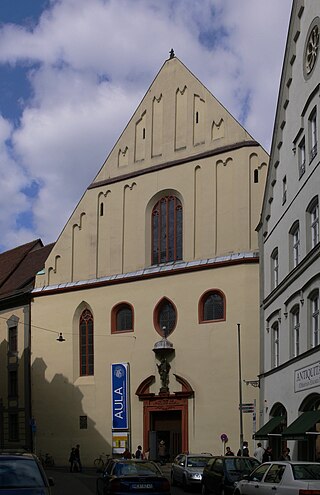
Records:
x=99, y=463
x=46, y=460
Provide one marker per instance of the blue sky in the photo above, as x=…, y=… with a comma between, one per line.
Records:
x=72, y=73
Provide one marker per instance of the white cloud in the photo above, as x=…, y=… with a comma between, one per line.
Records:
x=73, y=120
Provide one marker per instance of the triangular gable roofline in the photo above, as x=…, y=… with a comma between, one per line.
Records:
x=144, y=96
x=276, y=127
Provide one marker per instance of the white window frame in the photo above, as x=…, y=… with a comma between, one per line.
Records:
x=275, y=345
x=295, y=237
x=274, y=268
x=296, y=332
x=314, y=224
x=313, y=134
x=302, y=157
x=315, y=326
x=284, y=189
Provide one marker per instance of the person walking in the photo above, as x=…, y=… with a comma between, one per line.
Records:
x=127, y=454
x=258, y=453
x=245, y=450
x=139, y=454
x=162, y=452
x=267, y=455
x=229, y=451
x=285, y=455
x=72, y=458
x=77, y=457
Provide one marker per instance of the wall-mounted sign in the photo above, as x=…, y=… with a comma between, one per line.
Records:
x=119, y=390
x=307, y=377
x=120, y=442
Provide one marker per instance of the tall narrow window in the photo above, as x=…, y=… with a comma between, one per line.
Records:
x=86, y=344
x=284, y=189
x=295, y=245
x=167, y=230
x=295, y=315
x=315, y=327
x=13, y=383
x=274, y=269
x=13, y=425
x=302, y=157
x=275, y=345
x=13, y=339
x=313, y=135
x=314, y=224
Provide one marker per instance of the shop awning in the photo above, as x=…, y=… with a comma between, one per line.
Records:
x=268, y=428
x=298, y=430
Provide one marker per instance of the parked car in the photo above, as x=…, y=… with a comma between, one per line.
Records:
x=132, y=476
x=222, y=472
x=21, y=473
x=283, y=478
x=187, y=469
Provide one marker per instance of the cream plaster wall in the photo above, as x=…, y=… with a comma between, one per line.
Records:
x=206, y=355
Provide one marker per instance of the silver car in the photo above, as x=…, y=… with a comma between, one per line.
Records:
x=187, y=469
x=283, y=478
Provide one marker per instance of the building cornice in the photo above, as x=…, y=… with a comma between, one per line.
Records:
x=166, y=269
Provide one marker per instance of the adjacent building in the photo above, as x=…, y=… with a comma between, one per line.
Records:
x=18, y=268
x=290, y=249
x=147, y=283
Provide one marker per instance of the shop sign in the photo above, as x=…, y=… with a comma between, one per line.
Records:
x=307, y=377
x=120, y=414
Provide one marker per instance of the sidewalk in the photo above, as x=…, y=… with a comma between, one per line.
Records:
x=66, y=483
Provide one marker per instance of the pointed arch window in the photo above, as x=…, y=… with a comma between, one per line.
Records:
x=212, y=307
x=86, y=343
x=165, y=317
x=167, y=230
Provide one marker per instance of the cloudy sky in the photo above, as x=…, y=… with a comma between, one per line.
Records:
x=72, y=72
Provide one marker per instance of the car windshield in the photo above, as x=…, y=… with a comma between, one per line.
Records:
x=197, y=461
x=306, y=471
x=136, y=469
x=236, y=467
x=20, y=473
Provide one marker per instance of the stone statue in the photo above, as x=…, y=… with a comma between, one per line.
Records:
x=164, y=368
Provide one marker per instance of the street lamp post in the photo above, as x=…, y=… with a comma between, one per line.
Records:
x=240, y=390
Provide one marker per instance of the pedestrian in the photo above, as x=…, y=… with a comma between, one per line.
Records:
x=72, y=458
x=285, y=456
x=77, y=457
x=258, y=453
x=245, y=450
x=162, y=452
x=267, y=455
x=229, y=451
x=126, y=454
x=146, y=455
x=139, y=454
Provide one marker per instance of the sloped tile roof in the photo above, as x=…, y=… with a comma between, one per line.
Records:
x=19, y=266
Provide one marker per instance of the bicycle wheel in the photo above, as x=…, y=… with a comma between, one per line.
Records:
x=98, y=463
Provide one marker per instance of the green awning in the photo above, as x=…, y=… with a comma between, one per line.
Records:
x=268, y=428
x=299, y=428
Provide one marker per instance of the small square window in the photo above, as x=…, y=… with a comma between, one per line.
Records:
x=83, y=422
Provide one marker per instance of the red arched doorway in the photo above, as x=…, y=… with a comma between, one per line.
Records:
x=165, y=417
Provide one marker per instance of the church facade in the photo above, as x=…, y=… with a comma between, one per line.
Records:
x=149, y=282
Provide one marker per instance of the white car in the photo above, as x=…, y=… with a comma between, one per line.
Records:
x=283, y=478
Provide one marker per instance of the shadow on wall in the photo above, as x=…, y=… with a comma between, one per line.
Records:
x=61, y=421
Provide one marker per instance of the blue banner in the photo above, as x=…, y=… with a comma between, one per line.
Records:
x=120, y=416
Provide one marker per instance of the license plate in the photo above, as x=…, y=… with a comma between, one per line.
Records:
x=141, y=486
